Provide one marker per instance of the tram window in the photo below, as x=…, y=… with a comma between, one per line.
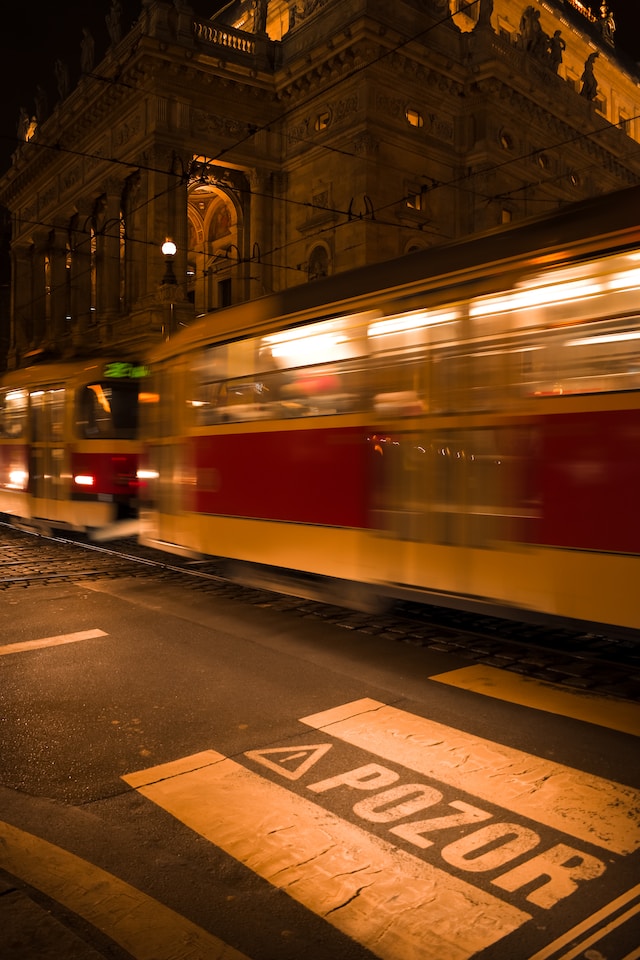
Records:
x=13, y=413
x=276, y=377
x=590, y=358
x=108, y=410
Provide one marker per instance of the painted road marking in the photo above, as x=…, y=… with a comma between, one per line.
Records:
x=584, y=806
x=142, y=926
x=580, y=937
x=503, y=685
x=396, y=905
x=51, y=641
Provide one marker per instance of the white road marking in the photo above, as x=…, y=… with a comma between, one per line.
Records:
x=50, y=641
x=580, y=938
x=145, y=928
x=503, y=685
x=396, y=905
x=308, y=755
x=584, y=806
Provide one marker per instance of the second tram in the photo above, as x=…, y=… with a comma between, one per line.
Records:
x=69, y=443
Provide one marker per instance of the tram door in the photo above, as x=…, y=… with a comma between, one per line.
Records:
x=47, y=454
x=164, y=448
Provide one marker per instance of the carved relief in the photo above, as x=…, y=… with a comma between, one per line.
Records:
x=208, y=123
x=126, y=131
x=366, y=145
x=72, y=177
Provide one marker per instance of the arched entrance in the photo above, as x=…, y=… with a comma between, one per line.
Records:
x=216, y=239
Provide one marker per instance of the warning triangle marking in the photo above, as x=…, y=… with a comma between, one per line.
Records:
x=288, y=755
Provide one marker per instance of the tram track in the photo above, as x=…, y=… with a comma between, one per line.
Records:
x=580, y=660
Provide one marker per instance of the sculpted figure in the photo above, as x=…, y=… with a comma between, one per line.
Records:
x=87, y=51
x=557, y=46
x=260, y=16
x=23, y=124
x=42, y=104
x=114, y=22
x=526, y=28
x=485, y=11
x=62, y=78
x=589, y=83
x=608, y=26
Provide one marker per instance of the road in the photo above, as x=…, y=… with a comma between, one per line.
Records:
x=185, y=776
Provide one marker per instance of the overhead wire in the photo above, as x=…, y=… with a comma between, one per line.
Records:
x=456, y=181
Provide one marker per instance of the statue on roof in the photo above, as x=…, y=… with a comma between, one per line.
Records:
x=62, y=78
x=589, y=83
x=484, y=13
x=114, y=22
x=260, y=17
x=557, y=46
x=607, y=24
x=87, y=51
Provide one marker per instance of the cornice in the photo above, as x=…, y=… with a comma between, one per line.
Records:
x=559, y=133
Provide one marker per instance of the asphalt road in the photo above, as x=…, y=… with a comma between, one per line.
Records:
x=186, y=777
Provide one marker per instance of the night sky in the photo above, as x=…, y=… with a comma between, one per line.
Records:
x=49, y=31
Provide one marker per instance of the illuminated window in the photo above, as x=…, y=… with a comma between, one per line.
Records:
x=414, y=117
x=322, y=121
x=506, y=140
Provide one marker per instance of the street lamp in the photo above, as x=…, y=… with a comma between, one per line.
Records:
x=169, y=250
x=169, y=285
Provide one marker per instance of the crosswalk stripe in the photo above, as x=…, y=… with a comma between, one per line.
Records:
x=396, y=905
x=511, y=687
x=593, y=929
x=587, y=807
x=56, y=641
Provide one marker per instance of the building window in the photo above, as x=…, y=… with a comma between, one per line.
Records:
x=543, y=161
x=322, y=121
x=415, y=200
x=506, y=140
x=224, y=293
x=414, y=117
x=318, y=263
x=506, y=216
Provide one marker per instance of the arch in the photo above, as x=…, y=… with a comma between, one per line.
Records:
x=319, y=263
x=214, y=244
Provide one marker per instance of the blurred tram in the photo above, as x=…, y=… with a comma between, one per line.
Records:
x=460, y=426
x=69, y=444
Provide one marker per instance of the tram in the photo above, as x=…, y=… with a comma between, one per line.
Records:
x=69, y=444
x=460, y=426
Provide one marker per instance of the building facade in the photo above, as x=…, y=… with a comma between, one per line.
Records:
x=281, y=141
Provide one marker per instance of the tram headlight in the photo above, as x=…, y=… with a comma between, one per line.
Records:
x=18, y=479
x=84, y=480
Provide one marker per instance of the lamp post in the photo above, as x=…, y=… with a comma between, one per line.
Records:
x=169, y=285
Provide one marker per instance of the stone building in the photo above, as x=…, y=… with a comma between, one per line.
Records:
x=280, y=141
